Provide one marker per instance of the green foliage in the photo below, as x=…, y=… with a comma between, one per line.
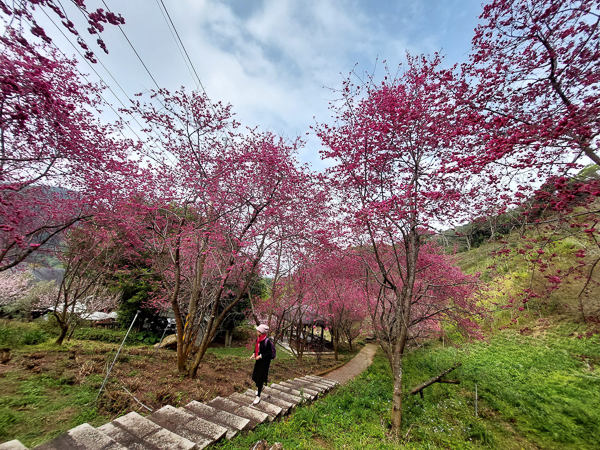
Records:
x=232, y=351
x=146, y=337
x=590, y=172
x=34, y=337
x=532, y=393
x=29, y=407
x=102, y=335
x=115, y=336
x=14, y=334
x=536, y=388
x=136, y=286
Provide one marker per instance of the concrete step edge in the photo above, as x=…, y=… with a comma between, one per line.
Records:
x=270, y=408
x=284, y=405
x=78, y=437
x=151, y=434
x=12, y=445
x=232, y=422
x=183, y=424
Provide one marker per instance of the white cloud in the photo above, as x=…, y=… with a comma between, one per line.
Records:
x=271, y=59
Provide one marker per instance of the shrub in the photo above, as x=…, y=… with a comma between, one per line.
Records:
x=146, y=337
x=13, y=334
x=34, y=337
x=115, y=336
x=101, y=334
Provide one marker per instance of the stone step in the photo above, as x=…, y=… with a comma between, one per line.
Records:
x=317, y=383
x=311, y=384
x=303, y=388
x=232, y=422
x=136, y=432
x=285, y=406
x=256, y=417
x=83, y=437
x=282, y=395
x=272, y=410
x=188, y=425
x=322, y=380
x=12, y=445
x=193, y=427
x=291, y=391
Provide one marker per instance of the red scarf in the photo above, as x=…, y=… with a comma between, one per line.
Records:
x=259, y=339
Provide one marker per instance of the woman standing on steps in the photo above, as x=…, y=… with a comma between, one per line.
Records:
x=262, y=355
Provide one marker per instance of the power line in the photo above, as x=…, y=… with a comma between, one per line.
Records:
x=191, y=64
x=182, y=46
x=176, y=42
x=134, y=50
x=109, y=88
x=99, y=76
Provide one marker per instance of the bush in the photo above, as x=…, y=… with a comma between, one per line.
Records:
x=101, y=334
x=34, y=337
x=146, y=337
x=13, y=334
x=115, y=336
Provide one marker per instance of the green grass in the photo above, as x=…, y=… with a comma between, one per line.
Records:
x=533, y=392
x=15, y=334
x=36, y=409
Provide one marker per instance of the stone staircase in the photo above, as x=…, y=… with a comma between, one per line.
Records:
x=192, y=427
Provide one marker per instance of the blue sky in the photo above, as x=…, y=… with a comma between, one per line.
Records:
x=273, y=60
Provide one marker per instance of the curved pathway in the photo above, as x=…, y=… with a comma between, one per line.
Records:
x=355, y=366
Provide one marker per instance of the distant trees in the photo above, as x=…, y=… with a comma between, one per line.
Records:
x=20, y=295
x=89, y=256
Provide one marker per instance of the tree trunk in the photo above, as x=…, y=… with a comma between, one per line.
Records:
x=215, y=321
x=64, y=327
x=336, y=343
x=397, y=393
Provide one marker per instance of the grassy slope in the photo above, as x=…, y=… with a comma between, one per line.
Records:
x=46, y=390
x=537, y=391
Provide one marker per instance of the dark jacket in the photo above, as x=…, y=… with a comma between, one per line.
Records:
x=261, y=367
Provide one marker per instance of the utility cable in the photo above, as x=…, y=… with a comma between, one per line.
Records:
x=182, y=46
x=158, y=137
x=134, y=50
x=176, y=42
x=100, y=77
x=193, y=68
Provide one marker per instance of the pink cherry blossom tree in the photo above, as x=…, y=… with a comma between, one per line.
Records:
x=223, y=202
x=535, y=73
x=90, y=255
x=56, y=160
x=14, y=285
x=535, y=68
x=390, y=143
x=337, y=296
x=20, y=16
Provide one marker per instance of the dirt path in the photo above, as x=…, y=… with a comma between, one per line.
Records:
x=355, y=366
